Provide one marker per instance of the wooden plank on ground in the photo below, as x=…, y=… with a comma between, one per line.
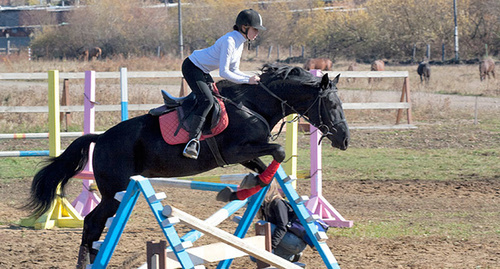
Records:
x=229, y=239
x=214, y=252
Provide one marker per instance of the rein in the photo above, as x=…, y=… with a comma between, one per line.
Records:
x=244, y=108
x=318, y=99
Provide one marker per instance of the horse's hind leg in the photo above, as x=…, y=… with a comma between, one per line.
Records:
x=92, y=229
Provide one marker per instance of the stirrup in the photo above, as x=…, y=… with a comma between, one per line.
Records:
x=192, y=153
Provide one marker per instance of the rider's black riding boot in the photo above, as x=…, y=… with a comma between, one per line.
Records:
x=192, y=148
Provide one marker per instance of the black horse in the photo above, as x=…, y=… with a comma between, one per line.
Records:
x=424, y=71
x=136, y=147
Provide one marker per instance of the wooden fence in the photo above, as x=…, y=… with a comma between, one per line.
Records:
x=404, y=103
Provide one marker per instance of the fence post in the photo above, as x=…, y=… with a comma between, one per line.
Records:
x=442, y=52
x=413, y=53
x=428, y=52
x=269, y=52
x=66, y=116
x=8, y=43
x=405, y=96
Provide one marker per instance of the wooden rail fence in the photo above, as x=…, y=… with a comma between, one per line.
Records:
x=404, y=103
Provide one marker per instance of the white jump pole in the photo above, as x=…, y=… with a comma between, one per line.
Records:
x=317, y=203
x=88, y=199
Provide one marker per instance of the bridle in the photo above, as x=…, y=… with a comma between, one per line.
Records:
x=320, y=99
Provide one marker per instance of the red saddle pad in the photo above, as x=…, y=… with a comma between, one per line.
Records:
x=170, y=122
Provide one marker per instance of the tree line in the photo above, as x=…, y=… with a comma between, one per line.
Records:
x=362, y=30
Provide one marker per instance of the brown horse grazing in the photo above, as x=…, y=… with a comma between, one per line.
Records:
x=352, y=67
x=485, y=68
x=377, y=65
x=424, y=71
x=91, y=54
x=324, y=64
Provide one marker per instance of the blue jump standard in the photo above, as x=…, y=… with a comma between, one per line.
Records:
x=140, y=184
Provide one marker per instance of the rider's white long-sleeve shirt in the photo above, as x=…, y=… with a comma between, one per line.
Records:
x=224, y=55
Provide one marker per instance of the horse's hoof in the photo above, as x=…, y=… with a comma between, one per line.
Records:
x=251, y=180
x=83, y=258
x=224, y=195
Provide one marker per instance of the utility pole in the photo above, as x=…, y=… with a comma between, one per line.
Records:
x=456, y=30
x=181, y=44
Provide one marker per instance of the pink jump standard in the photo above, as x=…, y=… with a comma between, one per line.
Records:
x=317, y=203
x=88, y=199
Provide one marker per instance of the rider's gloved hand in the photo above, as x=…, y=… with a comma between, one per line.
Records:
x=254, y=80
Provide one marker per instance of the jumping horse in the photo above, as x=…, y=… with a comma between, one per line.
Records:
x=136, y=147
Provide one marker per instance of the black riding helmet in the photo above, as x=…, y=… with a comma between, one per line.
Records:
x=249, y=17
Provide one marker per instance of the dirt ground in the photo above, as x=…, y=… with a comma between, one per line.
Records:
x=475, y=202
x=432, y=206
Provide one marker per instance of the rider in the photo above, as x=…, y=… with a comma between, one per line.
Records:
x=224, y=55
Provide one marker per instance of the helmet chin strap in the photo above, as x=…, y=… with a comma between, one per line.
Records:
x=245, y=32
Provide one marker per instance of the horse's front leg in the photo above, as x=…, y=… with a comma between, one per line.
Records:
x=256, y=165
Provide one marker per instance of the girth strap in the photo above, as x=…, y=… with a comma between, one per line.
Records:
x=214, y=148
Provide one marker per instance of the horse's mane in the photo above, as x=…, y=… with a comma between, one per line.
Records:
x=273, y=72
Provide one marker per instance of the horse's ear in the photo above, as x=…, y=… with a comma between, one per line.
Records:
x=325, y=81
x=336, y=79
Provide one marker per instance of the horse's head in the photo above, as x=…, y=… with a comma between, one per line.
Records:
x=329, y=116
x=313, y=98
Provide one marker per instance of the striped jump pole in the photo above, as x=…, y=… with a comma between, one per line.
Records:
x=88, y=199
x=24, y=153
x=188, y=184
x=38, y=135
x=317, y=203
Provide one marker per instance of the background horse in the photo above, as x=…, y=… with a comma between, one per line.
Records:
x=324, y=64
x=352, y=67
x=485, y=68
x=91, y=54
x=424, y=71
x=136, y=146
x=377, y=65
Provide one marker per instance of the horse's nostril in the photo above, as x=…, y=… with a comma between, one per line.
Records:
x=346, y=142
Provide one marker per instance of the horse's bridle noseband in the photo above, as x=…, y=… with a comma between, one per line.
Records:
x=320, y=99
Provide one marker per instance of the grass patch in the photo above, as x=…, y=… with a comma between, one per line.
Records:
x=418, y=224
x=404, y=164
x=19, y=167
x=353, y=164
x=382, y=229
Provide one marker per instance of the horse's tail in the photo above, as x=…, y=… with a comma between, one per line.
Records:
x=57, y=172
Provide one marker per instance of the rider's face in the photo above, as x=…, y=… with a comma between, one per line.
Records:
x=252, y=33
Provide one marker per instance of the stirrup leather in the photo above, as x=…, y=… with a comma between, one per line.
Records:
x=190, y=154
